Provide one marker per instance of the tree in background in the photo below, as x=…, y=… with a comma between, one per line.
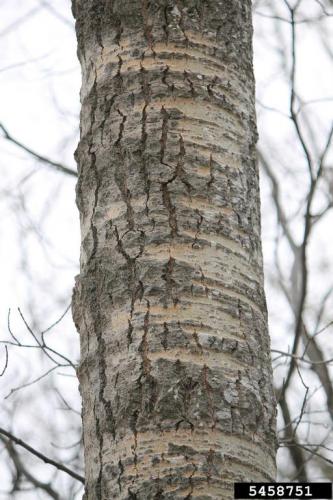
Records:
x=298, y=166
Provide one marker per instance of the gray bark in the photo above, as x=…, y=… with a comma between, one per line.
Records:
x=175, y=370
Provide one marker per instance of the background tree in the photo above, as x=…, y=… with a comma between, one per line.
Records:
x=40, y=237
x=299, y=184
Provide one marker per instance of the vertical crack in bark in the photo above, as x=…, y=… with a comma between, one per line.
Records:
x=94, y=168
x=211, y=172
x=189, y=496
x=121, y=173
x=238, y=386
x=147, y=25
x=121, y=472
x=209, y=392
x=165, y=336
x=134, y=290
x=166, y=198
x=191, y=84
x=210, y=87
x=199, y=222
x=165, y=25
x=145, y=85
x=147, y=97
x=164, y=135
x=169, y=283
x=170, y=208
x=196, y=340
x=144, y=347
x=121, y=128
x=165, y=73
x=119, y=78
x=180, y=172
x=129, y=333
x=239, y=390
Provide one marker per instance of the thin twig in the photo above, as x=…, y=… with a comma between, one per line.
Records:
x=44, y=458
x=45, y=348
x=57, y=321
x=314, y=178
x=296, y=453
x=282, y=219
x=43, y=159
x=6, y=362
x=28, y=384
x=22, y=470
x=301, y=359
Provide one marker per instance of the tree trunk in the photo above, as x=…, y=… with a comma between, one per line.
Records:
x=175, y=370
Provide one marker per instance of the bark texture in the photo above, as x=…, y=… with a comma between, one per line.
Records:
x=175, y=370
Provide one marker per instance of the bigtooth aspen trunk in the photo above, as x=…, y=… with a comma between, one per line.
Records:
x=175, y=370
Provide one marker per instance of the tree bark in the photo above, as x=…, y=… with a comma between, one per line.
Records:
x=175, y=371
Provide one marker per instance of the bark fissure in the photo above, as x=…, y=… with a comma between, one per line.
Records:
x=164, y=79
x=148, y=28
x=94, y=169
x=121, y=128
x=164, y=135
x=135, y=287
x=169, y=283
x=144, y=135
x=144, y=346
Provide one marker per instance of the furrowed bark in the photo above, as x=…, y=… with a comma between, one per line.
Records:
x=175, y=370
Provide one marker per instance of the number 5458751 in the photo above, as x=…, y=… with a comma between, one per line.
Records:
x=280, y=491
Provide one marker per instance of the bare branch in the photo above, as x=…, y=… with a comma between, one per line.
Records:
x=282, y=219
x=6, y=362
x=22, y=470
x=296, y=453
x=57, y=321
x=42, y=457
x=301, y=358
x=45, y=348
x=292, y=102
x=309, y=450
x=41, y=158
x=320, y=367
x=28, y=384
x=327, y=14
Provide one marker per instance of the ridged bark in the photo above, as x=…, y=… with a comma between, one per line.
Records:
x=175, y=370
